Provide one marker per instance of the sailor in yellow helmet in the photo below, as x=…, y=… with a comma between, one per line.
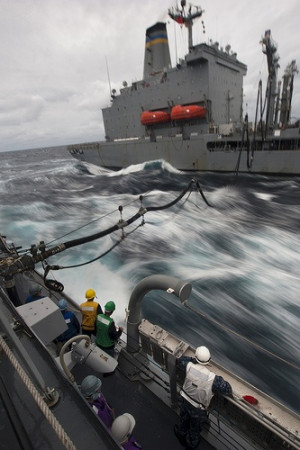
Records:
x=89, y=310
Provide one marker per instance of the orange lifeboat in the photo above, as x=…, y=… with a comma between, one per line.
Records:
x=154, y=117
x=187, y=112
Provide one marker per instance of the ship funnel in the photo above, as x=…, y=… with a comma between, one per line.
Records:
x=157, y=53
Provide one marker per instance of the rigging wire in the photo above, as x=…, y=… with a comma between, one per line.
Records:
x=240, y=336
x=93, y=221
x=261, y=108
x=55, y=267
x=47, y=267
x=229, y=330
x=79, y=228
x=143, y=210
x=86, y=224
x=39, y=253
x=193, y=181
x=245, y=131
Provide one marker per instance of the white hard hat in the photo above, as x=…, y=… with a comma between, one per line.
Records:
x=202, y=355
x=122, y=427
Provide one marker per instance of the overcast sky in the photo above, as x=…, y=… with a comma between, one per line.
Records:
x=53, y=54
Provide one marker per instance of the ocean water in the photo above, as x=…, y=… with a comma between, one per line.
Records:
x=241, y=254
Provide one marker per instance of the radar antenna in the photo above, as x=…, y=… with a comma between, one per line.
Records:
x=186, y=17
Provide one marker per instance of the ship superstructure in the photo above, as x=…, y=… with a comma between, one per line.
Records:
x=208, y=76
x=191, y=115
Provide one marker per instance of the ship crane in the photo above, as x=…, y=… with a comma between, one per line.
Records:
x=287, y=93
x=186, y=18
x=270, y=49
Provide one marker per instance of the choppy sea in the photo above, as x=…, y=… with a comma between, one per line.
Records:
x=241, y=254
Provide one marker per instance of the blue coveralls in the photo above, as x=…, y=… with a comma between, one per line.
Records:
x=192, y=418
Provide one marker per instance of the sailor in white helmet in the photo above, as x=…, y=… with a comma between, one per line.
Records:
x=199, y=387
x=121, y=430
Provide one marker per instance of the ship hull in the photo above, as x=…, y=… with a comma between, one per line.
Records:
x=187, y=155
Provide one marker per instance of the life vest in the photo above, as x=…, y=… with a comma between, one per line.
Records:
x=89, y=313
x=102, y=337
x=197, y=387
x=102, y=409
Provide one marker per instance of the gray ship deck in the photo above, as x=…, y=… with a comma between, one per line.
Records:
x=154, y=420
x=24, y=427
x=234, y=424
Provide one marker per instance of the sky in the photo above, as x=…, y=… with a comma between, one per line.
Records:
x=60, y=58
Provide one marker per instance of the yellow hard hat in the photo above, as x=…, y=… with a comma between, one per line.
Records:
x=90, y=293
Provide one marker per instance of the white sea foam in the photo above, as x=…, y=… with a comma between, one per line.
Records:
x=242, y=256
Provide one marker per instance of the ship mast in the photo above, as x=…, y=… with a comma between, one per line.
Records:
x=182, y=16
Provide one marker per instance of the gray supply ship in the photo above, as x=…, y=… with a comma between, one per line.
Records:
x=191, y=115
x=41, y=405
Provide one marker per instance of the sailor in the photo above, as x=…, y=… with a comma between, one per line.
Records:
x=72, y=322
x=35, y=293
x=107, y=334
x=121, y=430
x=89, y=310
x=199, y=387
x=91, y=390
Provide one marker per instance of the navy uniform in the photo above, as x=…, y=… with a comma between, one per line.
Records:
x=72, y=323
x=199, y=387
x=35, y=293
